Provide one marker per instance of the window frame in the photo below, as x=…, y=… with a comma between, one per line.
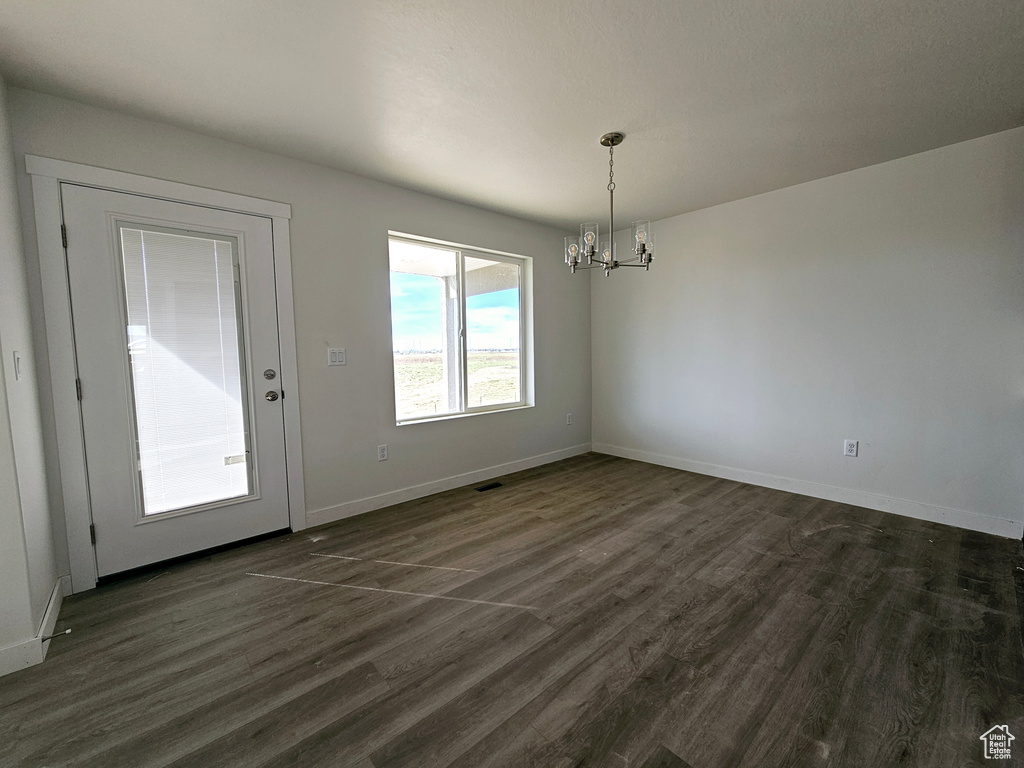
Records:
x=525, y=287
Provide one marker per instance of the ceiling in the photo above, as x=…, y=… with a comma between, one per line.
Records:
x=501, y=103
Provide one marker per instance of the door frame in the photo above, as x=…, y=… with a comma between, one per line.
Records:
x=47, y=175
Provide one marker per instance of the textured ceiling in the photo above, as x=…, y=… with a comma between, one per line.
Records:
x=501, y=104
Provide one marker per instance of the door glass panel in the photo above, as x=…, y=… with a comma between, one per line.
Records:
x=493, y=351
x=187, y=367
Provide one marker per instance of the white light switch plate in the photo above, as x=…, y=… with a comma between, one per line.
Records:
x=336, y=356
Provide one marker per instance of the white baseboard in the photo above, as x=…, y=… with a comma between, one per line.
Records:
x=960, y=518
x=52, y=613
x=370, y=503
x=32, y=651
x=19, y=656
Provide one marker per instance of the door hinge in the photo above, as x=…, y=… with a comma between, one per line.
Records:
x=64, y=235
x=92, y=532
x=78, y=388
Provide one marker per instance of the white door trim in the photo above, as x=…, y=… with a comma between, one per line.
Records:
x=47, y=174
x=118, y=181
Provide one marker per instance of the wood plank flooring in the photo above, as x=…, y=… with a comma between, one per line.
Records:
x=592, y=612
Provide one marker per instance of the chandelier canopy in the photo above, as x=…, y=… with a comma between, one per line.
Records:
x=598, y=252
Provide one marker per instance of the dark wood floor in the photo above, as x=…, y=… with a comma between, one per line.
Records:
x=665, y=619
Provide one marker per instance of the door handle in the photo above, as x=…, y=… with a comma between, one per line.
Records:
x=271, y=396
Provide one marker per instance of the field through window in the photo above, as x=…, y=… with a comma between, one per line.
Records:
x=456, y=327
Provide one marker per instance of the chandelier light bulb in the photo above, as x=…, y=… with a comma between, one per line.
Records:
x=642, y=235
x=572, y=251
x=607, y=248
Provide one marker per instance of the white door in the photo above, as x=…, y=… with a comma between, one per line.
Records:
x=176, y=341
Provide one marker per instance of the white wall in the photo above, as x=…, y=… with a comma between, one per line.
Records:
x=15, y=603
x=884, y=305
x=27, y=568
x=341, y=286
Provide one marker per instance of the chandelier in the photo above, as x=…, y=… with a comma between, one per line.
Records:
x=598, y=252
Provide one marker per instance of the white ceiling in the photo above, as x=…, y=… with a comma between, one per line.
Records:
x=501, y=103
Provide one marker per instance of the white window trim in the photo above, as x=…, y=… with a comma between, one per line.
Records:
x=47, y=175
x=525, y=264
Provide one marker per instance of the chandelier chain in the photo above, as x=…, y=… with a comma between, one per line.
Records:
x=611, y=209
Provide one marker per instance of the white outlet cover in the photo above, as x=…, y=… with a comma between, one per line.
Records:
x=850, y=447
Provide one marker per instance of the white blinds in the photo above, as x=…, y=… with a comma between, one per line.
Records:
x=185, y=347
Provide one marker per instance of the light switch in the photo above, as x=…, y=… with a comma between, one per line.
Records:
x=336, y=356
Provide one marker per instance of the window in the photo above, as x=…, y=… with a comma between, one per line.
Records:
x=458, y=323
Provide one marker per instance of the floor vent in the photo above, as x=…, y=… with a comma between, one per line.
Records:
x=489, y=487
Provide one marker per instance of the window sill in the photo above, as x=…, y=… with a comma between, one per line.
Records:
x=476, y=412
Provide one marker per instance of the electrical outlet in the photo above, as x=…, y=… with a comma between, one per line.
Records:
x=336, y=356
x=568, y=419
x=382, y=453
x=850, y=448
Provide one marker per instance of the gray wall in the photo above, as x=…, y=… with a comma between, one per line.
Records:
x=884, y=305
x=27, y=568
x=341, y=289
